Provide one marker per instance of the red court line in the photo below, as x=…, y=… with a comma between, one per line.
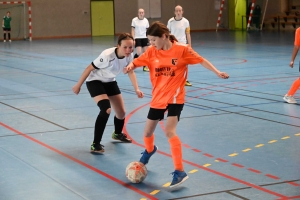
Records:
x=294, y=184
x=196, y=150
x=237, y=165
x=200, y=166
x=81, y=163
x=208, y=155
x=272, y=176
x=254, y=170
x=222, y=160
x=293, y=197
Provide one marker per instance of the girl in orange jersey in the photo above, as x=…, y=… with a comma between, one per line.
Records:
x=167, y=61
x=289, y=97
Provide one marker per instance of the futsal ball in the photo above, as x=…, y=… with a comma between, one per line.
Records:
x=136, y=172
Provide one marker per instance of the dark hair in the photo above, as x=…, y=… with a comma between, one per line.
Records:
x=124, y=36
x=157, y=29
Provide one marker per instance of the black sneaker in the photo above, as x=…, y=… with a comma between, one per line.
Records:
x=97, y=148
x=122, y=137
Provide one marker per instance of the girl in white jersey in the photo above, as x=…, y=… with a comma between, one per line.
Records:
x=139, y=27
x=100, y=77
x=180, y=28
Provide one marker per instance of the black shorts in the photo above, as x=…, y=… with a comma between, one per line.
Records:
x=97, y=88
x=141, y=42
x=6, y=29
x=158, y=114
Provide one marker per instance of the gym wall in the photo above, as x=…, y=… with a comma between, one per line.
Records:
x=71, y=18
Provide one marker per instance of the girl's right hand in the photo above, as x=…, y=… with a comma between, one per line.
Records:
x=76, y=89
x=292, y=64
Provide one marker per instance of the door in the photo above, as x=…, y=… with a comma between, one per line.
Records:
x=240, y=13
x=102, y=14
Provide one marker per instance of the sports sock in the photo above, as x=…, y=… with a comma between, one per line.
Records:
x=4, y=36
x=9, y=36
x=119, y=123
x=176, y=151
x=149, y=143
x=295, y=86
x=101, y=120
x=99, y=128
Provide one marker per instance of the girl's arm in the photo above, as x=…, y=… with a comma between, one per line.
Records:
x=133, y=80
x=84, y=75
x=129, y=68
x=212, y=68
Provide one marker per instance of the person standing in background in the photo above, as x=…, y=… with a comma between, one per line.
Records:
x=180, y=28
x=6, y=26
x=139, y=27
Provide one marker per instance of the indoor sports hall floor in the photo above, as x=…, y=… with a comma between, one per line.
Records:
x=240, y=140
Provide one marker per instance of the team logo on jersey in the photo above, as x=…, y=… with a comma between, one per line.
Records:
x=174, y=61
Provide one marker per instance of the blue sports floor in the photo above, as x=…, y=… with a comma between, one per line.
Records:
x=240, y=139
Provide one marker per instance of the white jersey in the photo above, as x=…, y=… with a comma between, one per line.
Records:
x=140, y=27
x=178, y=28
x=108, y=65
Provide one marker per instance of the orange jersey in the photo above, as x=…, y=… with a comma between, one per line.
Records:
x=168, y=72
x=297, y=37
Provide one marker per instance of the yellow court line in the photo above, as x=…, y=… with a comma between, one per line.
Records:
x=154, y=192
x=217, y=161
x=143, y=199
x=193, y=171
x=246, y=150
x=207, y=165
x=259, y=145
x=233, y=154
x=167, y=184
x=297, y=134
x=272, y=141
x=286, y=137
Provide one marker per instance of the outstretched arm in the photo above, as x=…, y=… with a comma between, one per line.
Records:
x=129, y=68
x=133, y=80
x=212, y=68
x=84, y=75
x=294, y=54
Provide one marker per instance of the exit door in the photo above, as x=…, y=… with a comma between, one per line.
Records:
x=102, y=14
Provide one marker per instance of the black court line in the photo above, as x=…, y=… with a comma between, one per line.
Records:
x=232, y=190
x=46, y=175
x=35, y=116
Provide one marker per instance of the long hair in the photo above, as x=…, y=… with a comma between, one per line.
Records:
x=124, y=36
x=157, y=29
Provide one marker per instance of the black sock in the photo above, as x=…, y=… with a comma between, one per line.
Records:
x=99, y=128
x=4, y=36
x=136, y=56
x=119, y=123
x=9, y=36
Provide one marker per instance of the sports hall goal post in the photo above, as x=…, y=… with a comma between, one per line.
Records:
x=20, y=12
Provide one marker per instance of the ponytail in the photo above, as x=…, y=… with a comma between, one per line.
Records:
x=172, y=38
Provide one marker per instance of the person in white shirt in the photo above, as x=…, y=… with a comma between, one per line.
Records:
x=139, y=27
x=100, y=77
x=180, y=28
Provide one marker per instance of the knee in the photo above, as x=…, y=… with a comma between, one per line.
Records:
x=170, y=133
x=104, y=106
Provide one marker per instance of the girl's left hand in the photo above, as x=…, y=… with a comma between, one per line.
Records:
x=139, y=93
